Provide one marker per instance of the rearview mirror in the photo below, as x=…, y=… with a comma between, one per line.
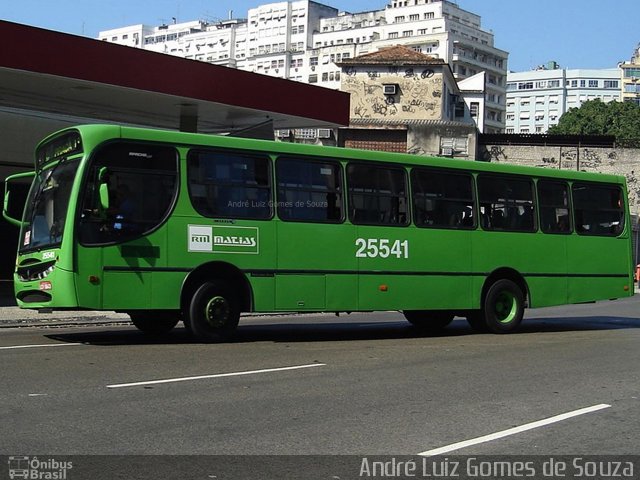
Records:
x=7, y=206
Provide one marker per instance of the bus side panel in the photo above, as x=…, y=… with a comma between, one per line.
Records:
x=425, y=268
x=540, y=259
x=546, y=275
x=315, y=267
x=89, y=265
x=594, y=263
x=129, y=270
x=247, y=245
x=165, y=290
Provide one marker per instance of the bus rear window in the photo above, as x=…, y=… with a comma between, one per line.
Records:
x=598, y=209
x=229, y=184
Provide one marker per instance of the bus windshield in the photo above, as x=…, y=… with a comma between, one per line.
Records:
x=46, y=207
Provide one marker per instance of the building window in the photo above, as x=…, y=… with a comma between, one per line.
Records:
x=399, y=19
x=407, y=33
x=473, y=109
x=525, y=86
x=429, y=15
x=393, y=35
x=593, y=83
x=313, y=78
x=414, y=17
x=553, y=84
x=611, y=84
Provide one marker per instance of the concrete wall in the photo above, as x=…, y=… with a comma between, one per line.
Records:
x=618, y=161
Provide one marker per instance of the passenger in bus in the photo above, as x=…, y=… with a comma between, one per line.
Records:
x=125, y=208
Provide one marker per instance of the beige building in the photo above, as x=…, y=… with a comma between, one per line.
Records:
x=631, y=78
x=403, y=100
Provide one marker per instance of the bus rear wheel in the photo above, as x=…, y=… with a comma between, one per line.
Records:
x=429, y=320
x=503, y=307
x=154, y=322
x=214, y=313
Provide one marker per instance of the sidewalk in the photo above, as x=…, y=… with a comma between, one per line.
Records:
x=12, y=316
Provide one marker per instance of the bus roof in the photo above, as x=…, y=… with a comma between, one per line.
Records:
x=273, y=147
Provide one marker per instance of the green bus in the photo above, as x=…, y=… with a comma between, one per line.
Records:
x=170, y=226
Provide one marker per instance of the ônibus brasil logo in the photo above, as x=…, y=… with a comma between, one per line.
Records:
x=206, y=238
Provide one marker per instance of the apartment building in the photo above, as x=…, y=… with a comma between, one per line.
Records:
x=631, y=78
x=537, y=99
x=304, y=41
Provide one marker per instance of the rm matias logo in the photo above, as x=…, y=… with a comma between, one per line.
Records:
x=239, y=241
x=222, y=239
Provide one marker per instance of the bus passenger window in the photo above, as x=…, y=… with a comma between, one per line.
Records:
x=507, y=203
x=229, y=184
x=442, y=199
x=377, y=195
x=309, y=190
x=553, y=197
x=599, y=209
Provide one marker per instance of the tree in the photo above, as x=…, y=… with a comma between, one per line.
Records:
x=620, y=119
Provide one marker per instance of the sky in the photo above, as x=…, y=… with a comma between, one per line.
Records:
x=574, y=33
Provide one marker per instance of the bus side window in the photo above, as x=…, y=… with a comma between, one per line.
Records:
x=229, y=184
x=599, y=209
x=510, y=200
x=553, y=197
x=309, y=190
x=377, y=195
x=442, y=199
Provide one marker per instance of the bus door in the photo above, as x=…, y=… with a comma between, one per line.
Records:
x=128, y=193
x=599, y=251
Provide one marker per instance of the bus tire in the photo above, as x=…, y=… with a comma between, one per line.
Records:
x=154, y=322
x=503, y=306
x=214, y=313
x=429, y=320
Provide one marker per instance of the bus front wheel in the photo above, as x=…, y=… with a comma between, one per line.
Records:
x=214, y=313
x=503, y=306
x=430, y=320
x=154, y=322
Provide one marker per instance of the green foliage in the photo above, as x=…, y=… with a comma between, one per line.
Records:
x=620, y=119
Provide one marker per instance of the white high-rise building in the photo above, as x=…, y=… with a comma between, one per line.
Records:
x=303, y=40
x=537, y=99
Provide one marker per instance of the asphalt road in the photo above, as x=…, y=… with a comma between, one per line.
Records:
x=364, y=384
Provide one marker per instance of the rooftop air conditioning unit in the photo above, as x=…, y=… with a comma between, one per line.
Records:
x=390, y=89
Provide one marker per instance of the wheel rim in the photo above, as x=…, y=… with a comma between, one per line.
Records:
x=217, y=312
x=506, y=307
